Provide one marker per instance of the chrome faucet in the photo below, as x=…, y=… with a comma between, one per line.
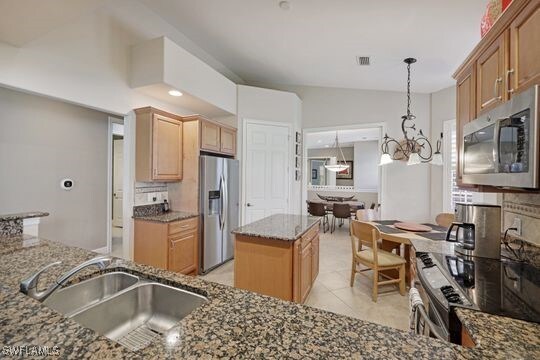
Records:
x=29, y=286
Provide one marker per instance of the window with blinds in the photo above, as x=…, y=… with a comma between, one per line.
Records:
x=457, y=195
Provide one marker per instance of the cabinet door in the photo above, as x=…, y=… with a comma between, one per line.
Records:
x=465, y=111
x=525, y=49
x=314, y=258
x=167, y=148
x=228, y=141
x=490, y=72
x=183, y=253
x=305, y=271
x=210, y=136
x=150, y=243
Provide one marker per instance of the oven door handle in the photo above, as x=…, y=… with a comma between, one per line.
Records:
x=436, y=330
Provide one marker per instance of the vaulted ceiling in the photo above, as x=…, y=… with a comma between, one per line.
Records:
x=316, y=42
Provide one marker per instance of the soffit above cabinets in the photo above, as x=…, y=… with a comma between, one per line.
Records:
x=160, y=65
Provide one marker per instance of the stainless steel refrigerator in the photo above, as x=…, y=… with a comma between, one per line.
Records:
x=219, y=204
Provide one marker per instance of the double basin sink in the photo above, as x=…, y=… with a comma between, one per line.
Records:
x=133, y=311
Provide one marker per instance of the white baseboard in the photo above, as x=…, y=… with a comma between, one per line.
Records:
x=102, y=250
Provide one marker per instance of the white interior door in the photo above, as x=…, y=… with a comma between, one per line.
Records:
x=118, y=168
x=266, y=171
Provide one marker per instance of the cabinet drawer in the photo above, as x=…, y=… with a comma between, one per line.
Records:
x=183, y=225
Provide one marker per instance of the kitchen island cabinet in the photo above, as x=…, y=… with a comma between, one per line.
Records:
x=278, y=256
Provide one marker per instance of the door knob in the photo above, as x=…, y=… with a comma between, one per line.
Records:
x=249, y=204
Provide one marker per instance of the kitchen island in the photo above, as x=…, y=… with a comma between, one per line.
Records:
x=278, y=256
x=233, y=323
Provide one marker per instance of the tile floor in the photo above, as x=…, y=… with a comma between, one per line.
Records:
x=331, y=290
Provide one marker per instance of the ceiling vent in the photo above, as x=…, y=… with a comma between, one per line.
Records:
x=362, y=60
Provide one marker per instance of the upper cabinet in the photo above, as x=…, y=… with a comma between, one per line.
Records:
x=227, y=143
x=466, y=109
x=158, y=146
x=524, y=68
x=210, y=136
x=505, y=62
x=217, y=138
x=490, y=70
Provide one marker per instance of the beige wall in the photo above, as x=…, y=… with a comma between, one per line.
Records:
x=43, y=141
x=527, y=208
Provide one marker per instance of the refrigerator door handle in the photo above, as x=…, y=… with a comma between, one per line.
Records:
x=224, y=211
x=221, y=202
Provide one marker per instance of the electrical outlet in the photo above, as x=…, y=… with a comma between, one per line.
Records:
x=517, y=224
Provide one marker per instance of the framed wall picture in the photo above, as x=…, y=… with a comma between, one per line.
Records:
x=346, y=174
x=298, y=175
x=314, y=174
x=298, y=137
x=298, y=162
x=298, y=149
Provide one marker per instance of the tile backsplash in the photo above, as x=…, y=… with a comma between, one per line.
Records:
x=150, y=193
x=527, y=208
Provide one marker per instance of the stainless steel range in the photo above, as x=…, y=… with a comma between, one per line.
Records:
x=496, y=286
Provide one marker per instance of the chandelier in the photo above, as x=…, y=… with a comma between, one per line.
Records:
x=415, y=148
x=334, y=164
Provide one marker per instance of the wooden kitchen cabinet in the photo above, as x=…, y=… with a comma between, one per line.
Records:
x=314, y=258
x=171, y=246
x=305, y=271
x=159, y=150
x=215, y=138
x=227, y=141
x=210, y=136
x=183, y=252
x=275, y=267
x=524, y=69
x=490, y=72
x=465, y=111
x=503, y=63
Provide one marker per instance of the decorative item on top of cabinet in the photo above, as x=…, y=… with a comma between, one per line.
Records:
x=171, y=246
x=158, y=146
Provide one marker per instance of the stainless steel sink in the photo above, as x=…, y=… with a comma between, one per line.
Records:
x=141, y=314
x=79, y=296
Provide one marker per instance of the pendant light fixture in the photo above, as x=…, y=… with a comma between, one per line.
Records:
x=335, y=165
x=416, y=149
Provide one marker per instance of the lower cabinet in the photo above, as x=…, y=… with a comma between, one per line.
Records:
x=171, y=246
x=278, y=268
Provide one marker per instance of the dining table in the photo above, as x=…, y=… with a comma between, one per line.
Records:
x=355, y=205
x=392, y=238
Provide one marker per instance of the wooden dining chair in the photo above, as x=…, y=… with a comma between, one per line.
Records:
x=365, y=251
x=445, y=219
x=319, y=209
x=341, y=212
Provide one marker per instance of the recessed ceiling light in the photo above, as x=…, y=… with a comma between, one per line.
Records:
x=326, y=145
x=319, y=141
x=175, y=93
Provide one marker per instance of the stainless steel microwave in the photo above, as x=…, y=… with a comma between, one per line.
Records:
x=501, y=147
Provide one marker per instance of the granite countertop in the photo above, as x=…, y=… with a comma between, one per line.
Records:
x=24, y=215
x=286, y=227
x=433, y=246
x=506, y=337
x=167, y=217
x=234, y=323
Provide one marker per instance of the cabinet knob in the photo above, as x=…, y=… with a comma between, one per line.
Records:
x=249, y=204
